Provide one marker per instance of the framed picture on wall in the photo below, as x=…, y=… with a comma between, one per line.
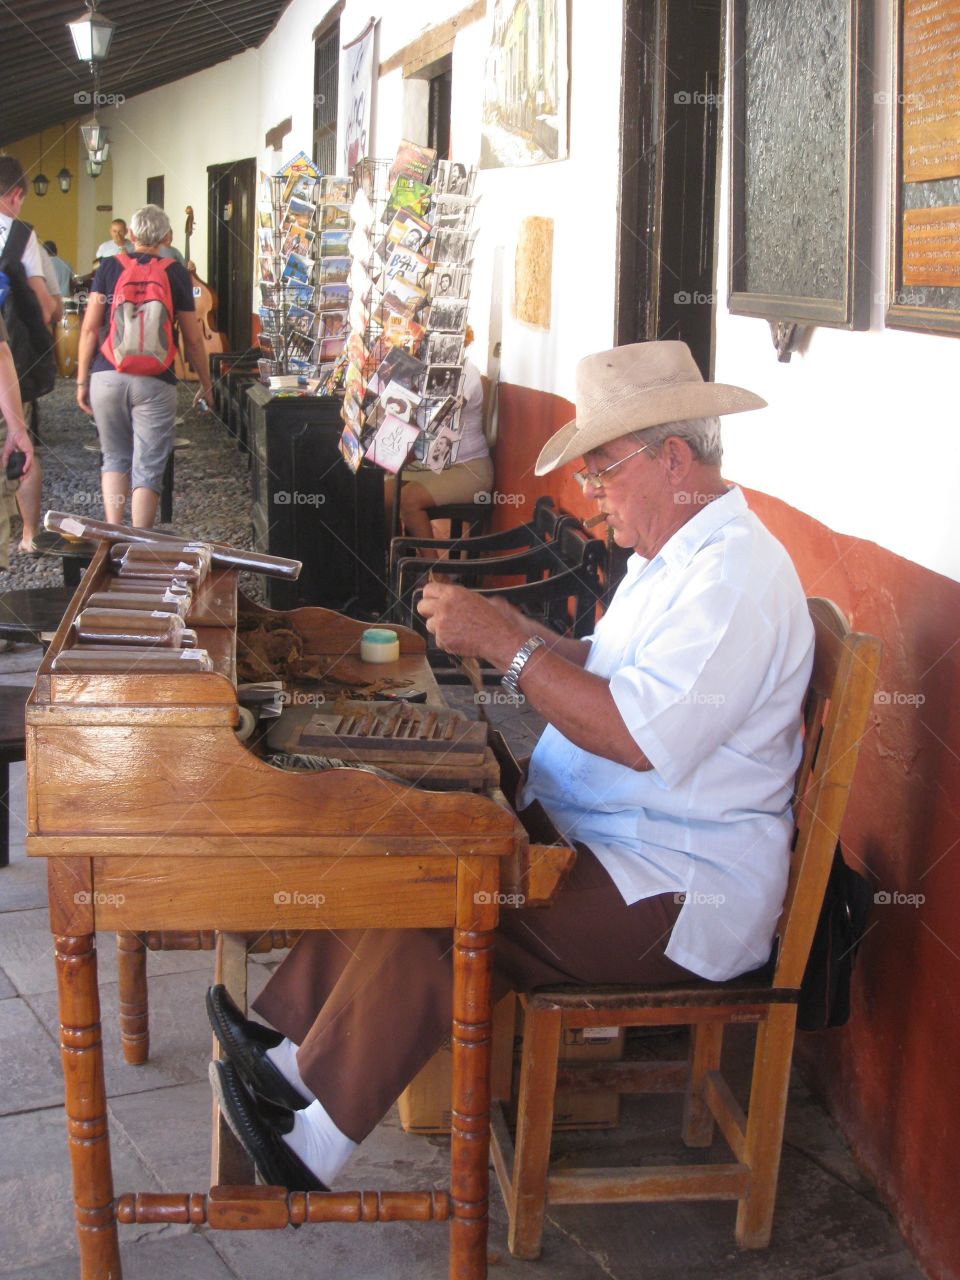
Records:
x=923, y=274
x=801, y=133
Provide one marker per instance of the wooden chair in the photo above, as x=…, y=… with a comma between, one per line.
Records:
x=835, y=719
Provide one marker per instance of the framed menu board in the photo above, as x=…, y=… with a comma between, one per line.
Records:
x=801, y=139
x=923, y=286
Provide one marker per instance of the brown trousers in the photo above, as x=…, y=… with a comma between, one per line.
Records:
x=369, y=1008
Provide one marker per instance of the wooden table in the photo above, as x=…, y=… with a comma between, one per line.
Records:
x=153, y=817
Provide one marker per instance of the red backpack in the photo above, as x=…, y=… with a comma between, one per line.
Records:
x=140, y=338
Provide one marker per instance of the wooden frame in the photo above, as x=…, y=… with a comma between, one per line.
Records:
x=908, y=306
x=848, y=305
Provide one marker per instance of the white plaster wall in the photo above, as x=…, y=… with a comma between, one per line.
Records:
x=862, y=429
x=208, y=118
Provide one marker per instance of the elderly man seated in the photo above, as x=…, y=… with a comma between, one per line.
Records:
x=672, y=741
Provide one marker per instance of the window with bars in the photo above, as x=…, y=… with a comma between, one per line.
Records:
x=325, y=88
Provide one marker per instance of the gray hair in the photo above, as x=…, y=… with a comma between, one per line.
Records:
x=701, y=434
x=149, y=225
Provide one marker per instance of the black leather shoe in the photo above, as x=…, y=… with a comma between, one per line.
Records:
x=259, y=1136
x=246, y=1043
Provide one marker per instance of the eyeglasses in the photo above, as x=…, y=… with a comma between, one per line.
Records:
x=584, y=477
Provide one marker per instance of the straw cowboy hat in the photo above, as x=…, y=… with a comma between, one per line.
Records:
x=633, y=387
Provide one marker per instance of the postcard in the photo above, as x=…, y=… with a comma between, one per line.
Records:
x=444, y=348
x=334, y=244
x=298, y=240
x=453, y=178
x=442, y=450
x=350, y=449
x=401, y=367
x=269, y=320
x=399, y=401
x=335, y=217
x=449, y=281
x=407, y=193
x=265, y=240
x=299, y=163
x=442, y=380
x=403, y=298
x=333, y=297
x=434, y=414
x=448, y=316
x=298, y=268
x=266, y=271
x=391, y=445
x=336, y=190
x=299, y=210
x=398, y=331
x=301, y=318
x=334, y=271
x=330, y=348
x=452, y=246
x=360, y=245
x=265, y=218
x=331, y=324
x=405, y=230
x=406, y=262
x=296, y=294
x=413, y=161
x=360, y=281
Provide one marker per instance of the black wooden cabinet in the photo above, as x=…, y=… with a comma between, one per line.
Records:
x=309, y=505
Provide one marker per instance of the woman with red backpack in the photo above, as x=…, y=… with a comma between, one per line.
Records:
x=125, y=365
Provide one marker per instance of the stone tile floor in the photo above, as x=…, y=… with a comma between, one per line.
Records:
x=829, y=1220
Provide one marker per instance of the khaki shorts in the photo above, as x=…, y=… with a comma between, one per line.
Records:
x=459, y=483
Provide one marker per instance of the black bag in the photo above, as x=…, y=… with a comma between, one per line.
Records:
x=825, y=989
x=31, y=342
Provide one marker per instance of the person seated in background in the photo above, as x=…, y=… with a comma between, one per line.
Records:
x=62, y=269
x=673, y=737
x=14, y=436
x=118, y=242
x=169, y=250
x=469, y=479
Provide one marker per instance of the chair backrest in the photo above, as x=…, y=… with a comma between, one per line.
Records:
x=835, y=714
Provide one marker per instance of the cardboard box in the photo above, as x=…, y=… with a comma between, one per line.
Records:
x=425, y=1103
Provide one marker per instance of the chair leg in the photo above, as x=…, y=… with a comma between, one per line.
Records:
x=535, y=1101
x=132, y=993
x=765, y=1117
x=706, y=1045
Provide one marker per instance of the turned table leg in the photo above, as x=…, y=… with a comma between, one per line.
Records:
x=88, y=1138
x=132, y=993
x=470, y=1110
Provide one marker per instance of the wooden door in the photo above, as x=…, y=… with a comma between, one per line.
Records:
x=670, y=118
x=231, y=241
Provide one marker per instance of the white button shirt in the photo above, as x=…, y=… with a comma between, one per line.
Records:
x=708, y=648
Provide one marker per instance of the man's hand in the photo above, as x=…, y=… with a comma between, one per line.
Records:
x=17, y=439
x=471, y=625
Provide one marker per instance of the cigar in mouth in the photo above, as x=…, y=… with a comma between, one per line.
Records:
x=595, y=520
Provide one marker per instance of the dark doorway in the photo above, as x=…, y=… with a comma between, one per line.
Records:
x=155, y=191
x=670, y=119
x=231, y=238
x=438, y=108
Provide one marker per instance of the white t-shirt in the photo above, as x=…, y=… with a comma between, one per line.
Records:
x=32, y=264
x=473, y=443
x=708, y=648
x=110, y=249
x=49, y=274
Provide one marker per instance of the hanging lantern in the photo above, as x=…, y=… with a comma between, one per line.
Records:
x=64, y=177
x=91, y=34
x=95, y=136
x=41, y=182
x=94, y=168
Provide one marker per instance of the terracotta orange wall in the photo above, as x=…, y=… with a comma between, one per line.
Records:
x=889, y=1076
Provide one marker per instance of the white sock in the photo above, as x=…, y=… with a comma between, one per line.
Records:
x=319, y=1143
x=284, y=1058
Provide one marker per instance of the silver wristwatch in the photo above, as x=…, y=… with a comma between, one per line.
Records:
x=520, y=659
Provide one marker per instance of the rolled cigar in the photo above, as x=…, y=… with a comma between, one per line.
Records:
x=125, y=660
x=151, y=602
x=595, y=520
x=191, y=565
x=231, y=557
x=173, y=587
x=135, y=627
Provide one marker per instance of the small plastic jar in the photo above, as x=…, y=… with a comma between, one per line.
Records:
x=378, y=644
